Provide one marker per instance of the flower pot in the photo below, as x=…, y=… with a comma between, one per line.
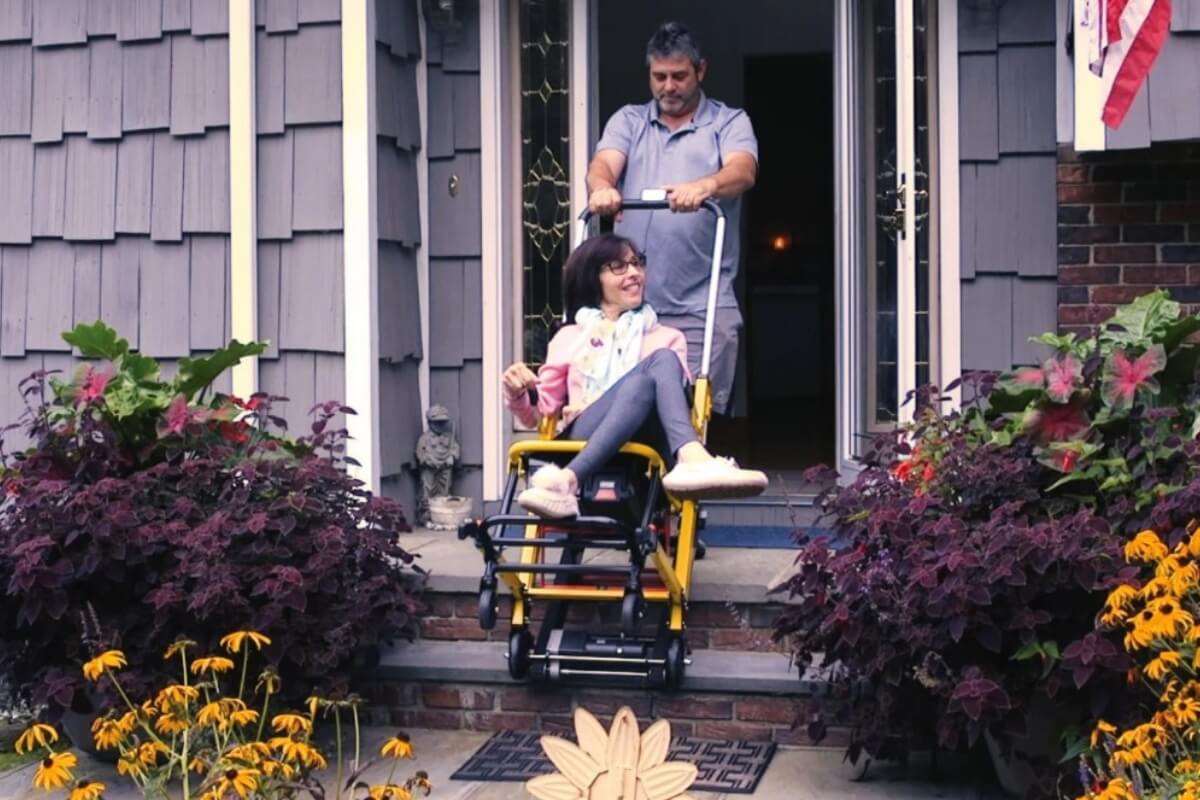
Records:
x=448, y=512
x=78, y=728
x=1014, y=755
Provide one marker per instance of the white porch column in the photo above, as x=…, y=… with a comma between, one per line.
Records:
x=243, y=183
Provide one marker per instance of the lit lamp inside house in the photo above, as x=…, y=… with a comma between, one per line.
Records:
x=781, y=242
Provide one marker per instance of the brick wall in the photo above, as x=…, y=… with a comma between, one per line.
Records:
x=719, y=626
x=760, y=718
x=1128, y=222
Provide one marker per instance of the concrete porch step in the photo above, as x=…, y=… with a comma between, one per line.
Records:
x=710, y=671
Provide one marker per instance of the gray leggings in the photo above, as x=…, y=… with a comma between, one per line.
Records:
x=627, y=411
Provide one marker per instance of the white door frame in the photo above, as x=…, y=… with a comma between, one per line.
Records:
x=498, y=305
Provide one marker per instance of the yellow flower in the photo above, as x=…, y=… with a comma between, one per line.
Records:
x=399, y=746
x=1155, y=587
x=148, y=752
x=212, y=714
x=87, y=790
x=213, y=664
x=107, y=733
x=108, y=660
x=314, y=703
x=198, y=766
x=291, y=724
x=1193, y=544
x=127, y=722
x=1186, y=766
x=1170, y=619
x=39, y=734
x=1185, y=579
x=177, y=647
x=1117, y=789
x=389, y=791
x=128, y=765
x=1102, y=729
x=293, y=751
x=1161, y=665
x=148, y=710
x=1121, y=597
x=240, y=781
x=170, y=724
x=268, y=682
x=250, y=752
x=244, y=717
x=273, y=769
x=176, y=695
x=1185, y=711
x=233, y=642
x=1145, y=547
x=1143, y=632
x=55, y=771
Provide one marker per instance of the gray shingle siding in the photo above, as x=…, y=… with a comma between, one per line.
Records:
x=1007, y=122
x=398, y=141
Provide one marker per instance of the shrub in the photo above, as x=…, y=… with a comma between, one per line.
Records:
x=147, y=509
x=967, y=560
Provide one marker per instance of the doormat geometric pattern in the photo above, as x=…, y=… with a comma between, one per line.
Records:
x=725, y=765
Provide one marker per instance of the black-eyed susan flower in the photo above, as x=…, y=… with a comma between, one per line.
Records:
x=1186, y=767
x=38, y=734
x=107, y=733
x=1146, y=547
x=105, y=662
x=1103, y=729
x=212, y=714
x=1115, y=789
x=1155, y=587
x=54, y=772
x=211, y=664
x=389, y=791
x=250, y=753
x=399, y=746
x=148, y=753
x=268, y=682
x=169, y=724
x=177, y=647
x=421, y=781
x=1185, y=712
x=244, y=717
x=1184, y=579
x=277, y=769
x=1169, y=617
x=234, y=641
x=239, y=781
x=127, y=722
x=176, y=695
x=198, y=765
x=1143, y=631
x=87, y=790
x=128, y=765
x=1161, y=665
x=291, y=724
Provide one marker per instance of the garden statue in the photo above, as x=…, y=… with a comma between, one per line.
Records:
x=437, y=454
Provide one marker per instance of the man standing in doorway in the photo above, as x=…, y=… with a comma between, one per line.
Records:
x=696, y=148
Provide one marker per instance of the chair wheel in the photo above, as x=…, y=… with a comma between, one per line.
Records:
x=701, y=549
x=676, y=655
x=520, y=644
x=631, y=612
x=487, y=608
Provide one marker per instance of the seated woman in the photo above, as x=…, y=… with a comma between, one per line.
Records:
x=616, y=375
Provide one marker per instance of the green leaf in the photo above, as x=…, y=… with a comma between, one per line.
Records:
x=1147, y=315
x=1077, y=746
x=197, y=373
x=97, y=341
x=140, y=368
x=1174, y=335
x=1057, y=341
x=1051, y=650
x=1027, y=652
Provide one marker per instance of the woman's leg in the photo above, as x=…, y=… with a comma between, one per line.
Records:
x=654, y=385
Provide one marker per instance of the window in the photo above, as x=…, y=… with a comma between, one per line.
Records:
x=543, y=87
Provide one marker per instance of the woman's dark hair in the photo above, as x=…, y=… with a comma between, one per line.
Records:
x=581, y=273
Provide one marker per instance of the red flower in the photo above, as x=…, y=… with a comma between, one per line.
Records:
x=250, y=405
x=902, y=470
x=1123, y=378
x=234, y=432
x=928, y=473
x=1067, y=460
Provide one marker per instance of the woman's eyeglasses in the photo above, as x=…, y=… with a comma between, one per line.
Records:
x=621, y=267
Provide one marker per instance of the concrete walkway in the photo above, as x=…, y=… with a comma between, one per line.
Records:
x=794, y=774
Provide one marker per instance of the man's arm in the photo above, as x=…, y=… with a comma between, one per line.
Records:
x=737, y=176
x=603, y=174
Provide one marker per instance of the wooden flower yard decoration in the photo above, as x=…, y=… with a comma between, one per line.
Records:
x=620, y=764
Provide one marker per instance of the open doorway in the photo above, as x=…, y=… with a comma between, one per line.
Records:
x=775, y=60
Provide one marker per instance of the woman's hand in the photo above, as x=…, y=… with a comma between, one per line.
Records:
x=518, y=378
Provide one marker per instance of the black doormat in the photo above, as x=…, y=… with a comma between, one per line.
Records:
x=726, y=765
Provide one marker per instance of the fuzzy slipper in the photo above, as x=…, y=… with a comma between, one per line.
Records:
x=717, y=478
x=551, y=494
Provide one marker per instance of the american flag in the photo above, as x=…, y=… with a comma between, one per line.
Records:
x=1123, y=39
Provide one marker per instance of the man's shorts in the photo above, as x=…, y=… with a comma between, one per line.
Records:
x=723, y=364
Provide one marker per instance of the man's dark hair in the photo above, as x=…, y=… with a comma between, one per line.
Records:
x=673, y=39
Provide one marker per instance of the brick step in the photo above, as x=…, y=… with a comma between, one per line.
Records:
x=465, y=685
x=453, y=616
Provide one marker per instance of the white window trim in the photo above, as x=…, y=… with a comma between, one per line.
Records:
x=491, y=63
x=359, y=238
x=949, y=250
x=1089, y=87
x=243, y=194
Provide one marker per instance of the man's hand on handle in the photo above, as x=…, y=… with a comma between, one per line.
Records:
x=605, y=202
x=691, y=195
x=518, y=378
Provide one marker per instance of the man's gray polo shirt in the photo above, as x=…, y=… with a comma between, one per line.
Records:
x=678, y=246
